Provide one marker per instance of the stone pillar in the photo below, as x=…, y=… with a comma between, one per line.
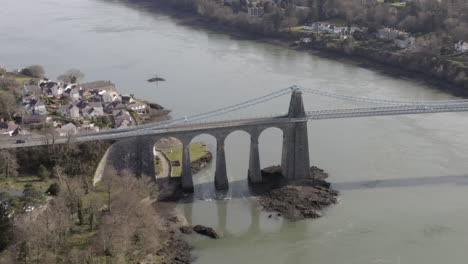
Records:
x=186, y=174
x=221, y=180
x=254, y=173
x=295, y=161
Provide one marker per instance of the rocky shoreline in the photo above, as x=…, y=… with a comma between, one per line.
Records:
x=296, y=200
x=197, y=165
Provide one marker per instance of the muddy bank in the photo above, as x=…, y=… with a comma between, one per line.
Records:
x=173, y=248
x=295, y=200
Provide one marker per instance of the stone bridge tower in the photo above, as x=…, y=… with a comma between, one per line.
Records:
x=295, y=161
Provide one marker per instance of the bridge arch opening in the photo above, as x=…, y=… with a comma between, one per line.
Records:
x=237, y=145
x=203, y=157
x=168, y=157
x=270, y=147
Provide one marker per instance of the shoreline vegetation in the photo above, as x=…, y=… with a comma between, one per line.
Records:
x=430, y=65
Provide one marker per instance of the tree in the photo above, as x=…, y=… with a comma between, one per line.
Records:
x=7, y=83
x=6, y=233
x=8, y=164
x=32, y=195
x=71, y=76
x=54, y=189
x=8, y=104
x=43, y=173
x=36, y=71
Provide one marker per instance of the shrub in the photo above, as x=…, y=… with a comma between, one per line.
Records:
x=34, y=71
x=43, y=173
x=54, y=189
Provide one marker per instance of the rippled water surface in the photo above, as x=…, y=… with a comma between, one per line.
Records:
x=403, y=179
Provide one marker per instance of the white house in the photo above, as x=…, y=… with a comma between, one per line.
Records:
x=389, y=34
x=404, y=41
x=40, y=108
x=138, y=107
x=74, y=95
x=461, y=46
x=66, y=130
x=255, y=11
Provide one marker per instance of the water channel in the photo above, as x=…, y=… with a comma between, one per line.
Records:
x=403, y=179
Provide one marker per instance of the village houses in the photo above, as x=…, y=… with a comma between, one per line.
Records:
x=400, y=39
x=461, y=46
x=78, y=102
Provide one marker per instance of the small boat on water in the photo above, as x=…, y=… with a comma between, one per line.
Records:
x=156, y=79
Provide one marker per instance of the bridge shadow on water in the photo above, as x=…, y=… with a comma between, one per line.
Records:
x=401, y=182
x=241, y=189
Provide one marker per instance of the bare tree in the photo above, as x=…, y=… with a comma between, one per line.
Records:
x=7, y=83
x=8, y=104
x=8, y=164
x=71, y=76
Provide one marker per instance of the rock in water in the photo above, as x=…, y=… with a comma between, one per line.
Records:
x=186, y=230
x=206, y=231
x=297, y=199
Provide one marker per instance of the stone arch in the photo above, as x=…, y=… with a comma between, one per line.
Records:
x=168, y=156
x=202, y=147
x=271, y=142
x=237, y=145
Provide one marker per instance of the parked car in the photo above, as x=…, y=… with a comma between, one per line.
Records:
x=20, y=141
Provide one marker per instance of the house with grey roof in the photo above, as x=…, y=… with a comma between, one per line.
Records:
x=93, y=109
x=71, y=111
x=31, y=119
x=120, y=116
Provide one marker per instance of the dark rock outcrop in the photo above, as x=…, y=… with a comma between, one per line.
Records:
x=299, y=199
x=206, y=231
x=199, y=164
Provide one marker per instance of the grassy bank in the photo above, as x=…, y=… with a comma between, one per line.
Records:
x=16, y=183
x=174, y=154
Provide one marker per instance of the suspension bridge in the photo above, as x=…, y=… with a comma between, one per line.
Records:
x=295, y=153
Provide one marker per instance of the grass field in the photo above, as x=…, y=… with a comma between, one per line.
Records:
x=20, y=181
x=197, y=150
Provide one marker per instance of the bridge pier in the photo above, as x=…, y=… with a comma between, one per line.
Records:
x=295, y=162
x=186, y=174
x=221, y=180
x=254, y=172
